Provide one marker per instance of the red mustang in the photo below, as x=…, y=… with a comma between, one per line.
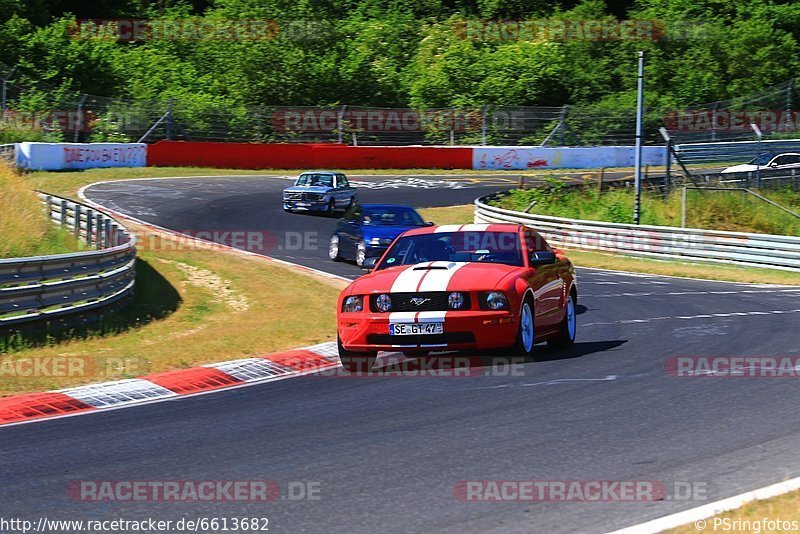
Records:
x=459, y=287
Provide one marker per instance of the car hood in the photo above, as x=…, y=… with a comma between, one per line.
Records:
x=304, y=189
x=745, y=167
x=434, y=276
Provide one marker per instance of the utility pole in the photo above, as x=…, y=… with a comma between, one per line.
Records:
x=5, y=81
x=638, y=154
x=757, y=131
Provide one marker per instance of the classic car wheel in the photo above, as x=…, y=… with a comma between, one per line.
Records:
x=331, y=208
x=352, y=204
x=355, y=362
x=525, y=334
x=361, y=253
x=333, y=248
x=569, y=327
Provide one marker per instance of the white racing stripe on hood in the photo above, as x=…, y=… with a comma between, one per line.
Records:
x=438, y=279
x=409, y=279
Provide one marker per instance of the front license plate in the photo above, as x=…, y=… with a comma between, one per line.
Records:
x=416, y=329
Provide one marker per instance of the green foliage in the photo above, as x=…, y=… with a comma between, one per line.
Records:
x=424, y=54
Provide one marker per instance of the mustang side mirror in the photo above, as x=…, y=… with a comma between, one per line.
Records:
x=542, y=258
x=369, y=263
x=429, y=223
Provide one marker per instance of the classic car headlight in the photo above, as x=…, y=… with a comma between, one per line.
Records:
x=455, y=300
x=383, y=302
x=353, y=304
x=496, y=300
x=377, y=241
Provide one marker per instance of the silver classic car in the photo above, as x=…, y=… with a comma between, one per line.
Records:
x=323, y=191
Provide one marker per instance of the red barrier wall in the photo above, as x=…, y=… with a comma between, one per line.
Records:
x=305, y=156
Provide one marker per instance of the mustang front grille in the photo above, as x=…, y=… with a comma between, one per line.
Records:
x=425, y=301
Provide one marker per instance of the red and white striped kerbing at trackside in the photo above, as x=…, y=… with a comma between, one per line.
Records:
x=166, y=385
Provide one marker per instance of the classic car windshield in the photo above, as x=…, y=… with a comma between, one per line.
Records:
x=487, y=247
x=315, y=180
x=392, y=216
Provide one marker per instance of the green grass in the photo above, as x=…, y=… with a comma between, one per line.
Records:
x=25, y=229
x=713, y=210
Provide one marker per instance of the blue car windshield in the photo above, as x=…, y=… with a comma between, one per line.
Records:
x=487, y=247
x=392, y=216
x=315, y=180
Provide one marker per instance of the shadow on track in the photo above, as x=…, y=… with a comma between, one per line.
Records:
x=479, y=364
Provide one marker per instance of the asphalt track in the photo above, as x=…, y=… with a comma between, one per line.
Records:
x=388, y=451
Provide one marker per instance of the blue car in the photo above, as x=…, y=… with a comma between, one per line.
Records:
x=321, y=191
x=368, y=229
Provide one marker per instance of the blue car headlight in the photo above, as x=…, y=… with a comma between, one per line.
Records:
x=380, y=241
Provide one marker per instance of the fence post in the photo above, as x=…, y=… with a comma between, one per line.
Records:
x=600, y=178
x=89, y=225
x=483, y=125
x=79, y=118
x=340, y=124
x=63, y=220
x=170, y=120
x=563, y=125
x=99, y=230
x=683, y=208
x=107, y=232
x=77, y=229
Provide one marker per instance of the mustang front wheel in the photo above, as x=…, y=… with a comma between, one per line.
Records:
x=525, y=334
x=569, y=326
x=355, y=362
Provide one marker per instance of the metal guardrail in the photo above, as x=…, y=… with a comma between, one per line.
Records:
x=659, y=242
x=43, y=287
x=736, y=151
x=8, y=153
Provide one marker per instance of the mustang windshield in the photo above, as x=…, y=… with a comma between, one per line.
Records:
x=487, y=247
x=315, y=180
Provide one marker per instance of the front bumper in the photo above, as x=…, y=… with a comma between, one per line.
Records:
x=463, y=330
x=305, y=205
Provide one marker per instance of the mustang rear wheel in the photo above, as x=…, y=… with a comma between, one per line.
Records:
x=525, y=334
x=568, y=329
x=355, y=362
x=331, y=208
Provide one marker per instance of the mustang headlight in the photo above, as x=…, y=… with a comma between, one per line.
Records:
x=377, y=241
x=455, y=300
x=353, y=304
x=383, y=303
x=496, y=300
